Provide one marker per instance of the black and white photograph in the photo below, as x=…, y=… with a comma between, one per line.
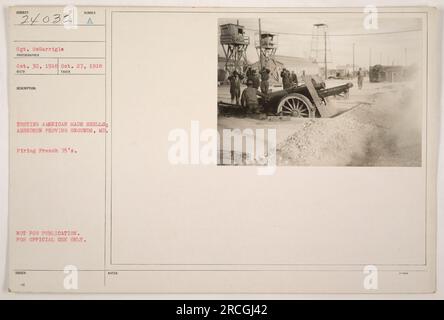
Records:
x=337, y=91
x=236, y=151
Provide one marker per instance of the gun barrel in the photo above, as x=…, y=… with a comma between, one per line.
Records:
x=335, y=90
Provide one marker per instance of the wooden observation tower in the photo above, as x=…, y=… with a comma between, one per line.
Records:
x=234, y=42
x=266, y=44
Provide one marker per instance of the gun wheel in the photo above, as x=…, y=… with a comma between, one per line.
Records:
x=296, y=105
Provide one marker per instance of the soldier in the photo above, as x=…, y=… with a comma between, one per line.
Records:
x=234, y=87
x=265, y=76
x=255, y=78
x=249, y=98
x=360, y=78
x=285, y=75
x=248, y=73
x=294, y=78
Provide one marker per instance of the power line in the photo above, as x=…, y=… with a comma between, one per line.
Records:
x=344, y=34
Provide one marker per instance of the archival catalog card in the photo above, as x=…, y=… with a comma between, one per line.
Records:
x=229, y=150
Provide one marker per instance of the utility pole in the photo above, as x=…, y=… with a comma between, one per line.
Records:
x=325, y=54
x=260, y=44
x=369, y=58
x=353, y=74
x=320, y=46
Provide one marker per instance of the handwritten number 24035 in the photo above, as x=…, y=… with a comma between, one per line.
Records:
x=48, y=19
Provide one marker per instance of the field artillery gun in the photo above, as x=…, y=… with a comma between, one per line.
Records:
x=304, y=101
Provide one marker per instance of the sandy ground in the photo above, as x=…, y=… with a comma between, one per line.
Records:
x=379, y=125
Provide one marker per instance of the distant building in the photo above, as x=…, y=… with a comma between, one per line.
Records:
x=299, y=65
x=342, y=71
x=380, y=73
x=296, y=64
x=222, y=74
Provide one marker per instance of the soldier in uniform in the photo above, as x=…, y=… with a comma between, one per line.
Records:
x=234, y=87
x=360, y=78
x=265, y=76
x=248, y=73
x=294, y=78
x=254, y=78
x=285, y=75
x=249, y=98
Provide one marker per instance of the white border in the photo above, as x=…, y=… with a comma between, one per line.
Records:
x=203, y=3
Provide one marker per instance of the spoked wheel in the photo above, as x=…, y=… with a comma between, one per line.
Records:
x=296, y=105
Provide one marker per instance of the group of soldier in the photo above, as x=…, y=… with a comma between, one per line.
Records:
x=248, y=99
x=254, y=81
x=289, y=79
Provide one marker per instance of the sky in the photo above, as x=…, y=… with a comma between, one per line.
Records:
x=387, y=47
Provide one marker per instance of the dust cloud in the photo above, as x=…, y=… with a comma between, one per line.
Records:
x=383, y=130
